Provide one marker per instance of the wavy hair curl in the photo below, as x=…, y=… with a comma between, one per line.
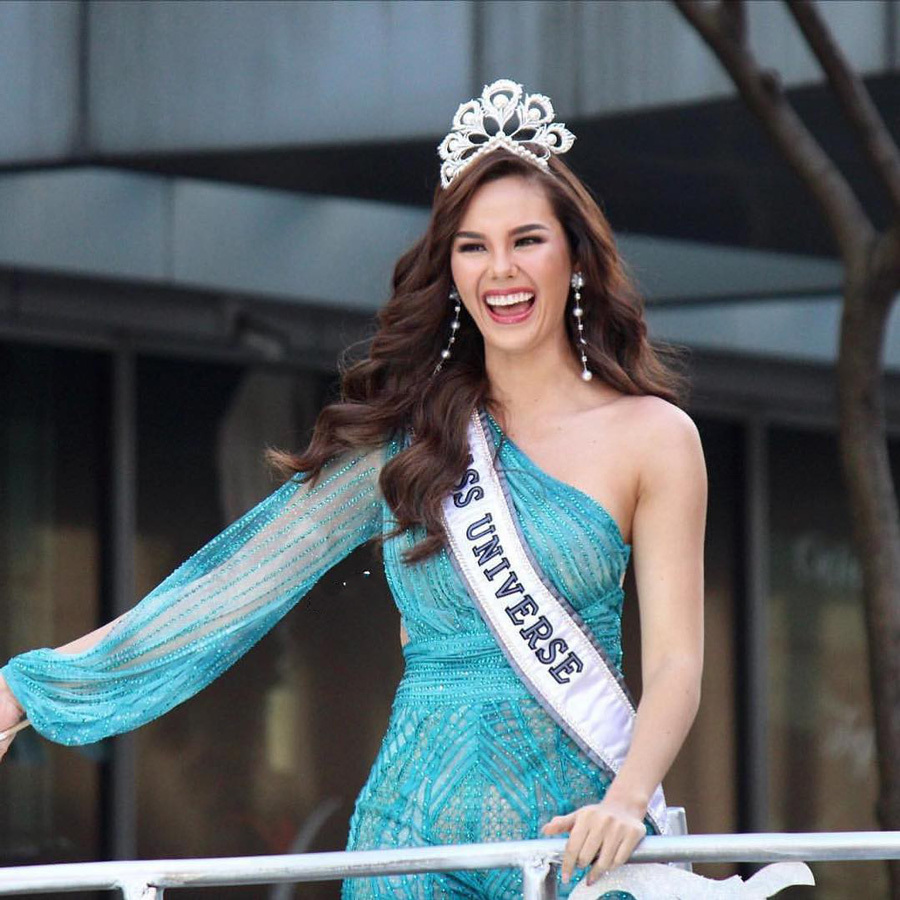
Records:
x=394, y=390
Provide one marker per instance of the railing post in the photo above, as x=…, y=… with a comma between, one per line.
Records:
x=539, y=881
x=676, y=824
x=140, y=890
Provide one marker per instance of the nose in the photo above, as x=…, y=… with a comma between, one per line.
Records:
x=502, y=265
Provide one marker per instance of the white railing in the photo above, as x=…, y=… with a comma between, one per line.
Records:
x=537, y=860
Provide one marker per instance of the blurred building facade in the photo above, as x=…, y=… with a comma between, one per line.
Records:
x=200, y=206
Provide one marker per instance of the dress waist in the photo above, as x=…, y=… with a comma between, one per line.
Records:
x=458, y=669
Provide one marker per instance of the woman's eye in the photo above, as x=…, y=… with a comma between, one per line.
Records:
x=473, y=247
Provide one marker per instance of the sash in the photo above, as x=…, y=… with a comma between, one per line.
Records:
x=543, y=638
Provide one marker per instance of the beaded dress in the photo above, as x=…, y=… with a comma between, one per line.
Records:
x=468, y=756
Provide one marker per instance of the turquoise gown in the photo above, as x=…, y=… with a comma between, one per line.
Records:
x=468, y=755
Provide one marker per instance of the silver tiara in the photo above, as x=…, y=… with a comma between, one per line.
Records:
x=503, y=116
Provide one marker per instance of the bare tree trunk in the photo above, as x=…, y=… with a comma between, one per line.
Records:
x=871, y=283
x=873, y=506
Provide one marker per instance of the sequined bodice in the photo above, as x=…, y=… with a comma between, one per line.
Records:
x=577, y=545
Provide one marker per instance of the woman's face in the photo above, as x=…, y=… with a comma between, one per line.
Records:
x=512, y=266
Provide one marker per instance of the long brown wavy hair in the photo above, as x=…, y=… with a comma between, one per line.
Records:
x=394, y=390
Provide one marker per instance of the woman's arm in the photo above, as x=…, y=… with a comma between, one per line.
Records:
x=10, y=710
x=206, y=614
x=667, y=535
x=90, y=640
x=10, y=714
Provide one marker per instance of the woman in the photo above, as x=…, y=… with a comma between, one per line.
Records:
x=514, y=305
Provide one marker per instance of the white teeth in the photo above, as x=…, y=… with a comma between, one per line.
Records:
x=508, y=299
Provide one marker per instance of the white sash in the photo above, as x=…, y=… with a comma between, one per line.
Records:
x=543, y=638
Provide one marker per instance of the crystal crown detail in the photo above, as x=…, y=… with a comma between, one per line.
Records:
x=503, y=116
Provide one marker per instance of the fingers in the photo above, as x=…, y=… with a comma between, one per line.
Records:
x=575, y=848
x=615, y=849
x=608, y=852
x=628, y=845
x=7, y=736
x=595, y=836
x=559, y=824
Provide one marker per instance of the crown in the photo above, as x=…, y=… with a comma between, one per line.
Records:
x=503, y=116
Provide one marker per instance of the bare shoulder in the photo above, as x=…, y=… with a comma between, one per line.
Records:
x=663, y=436
x=657, y=418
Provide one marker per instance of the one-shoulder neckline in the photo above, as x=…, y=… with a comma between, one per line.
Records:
x=605, y=515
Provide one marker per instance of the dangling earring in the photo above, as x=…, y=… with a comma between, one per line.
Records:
x=578, y=312
x=454, y=327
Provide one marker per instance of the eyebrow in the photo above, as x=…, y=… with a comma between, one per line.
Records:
x=476, y=235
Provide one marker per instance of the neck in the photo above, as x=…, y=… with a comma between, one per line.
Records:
x=530, y=386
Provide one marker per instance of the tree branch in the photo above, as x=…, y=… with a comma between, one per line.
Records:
x=732, y=18
x=761, y=91
x=853, y=97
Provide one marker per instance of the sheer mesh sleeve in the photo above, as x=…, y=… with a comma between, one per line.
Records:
x=207, y=613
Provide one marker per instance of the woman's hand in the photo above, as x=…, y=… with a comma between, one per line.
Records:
x=610, y=829
x=10, y=714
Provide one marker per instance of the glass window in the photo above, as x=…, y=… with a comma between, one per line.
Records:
x=821, y=739
x=53, y=422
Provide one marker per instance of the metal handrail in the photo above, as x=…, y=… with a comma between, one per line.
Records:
x=537, y=859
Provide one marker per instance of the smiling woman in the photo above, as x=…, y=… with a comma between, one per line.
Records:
x=509, y=492
x=416, y=320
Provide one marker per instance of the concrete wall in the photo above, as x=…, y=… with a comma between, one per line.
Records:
x=40, y=107
x=192, y=234
x=121, y=77
x=202, y=75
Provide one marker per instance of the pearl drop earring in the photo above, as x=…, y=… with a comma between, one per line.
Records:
x=454, y=327
x=578, y=312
